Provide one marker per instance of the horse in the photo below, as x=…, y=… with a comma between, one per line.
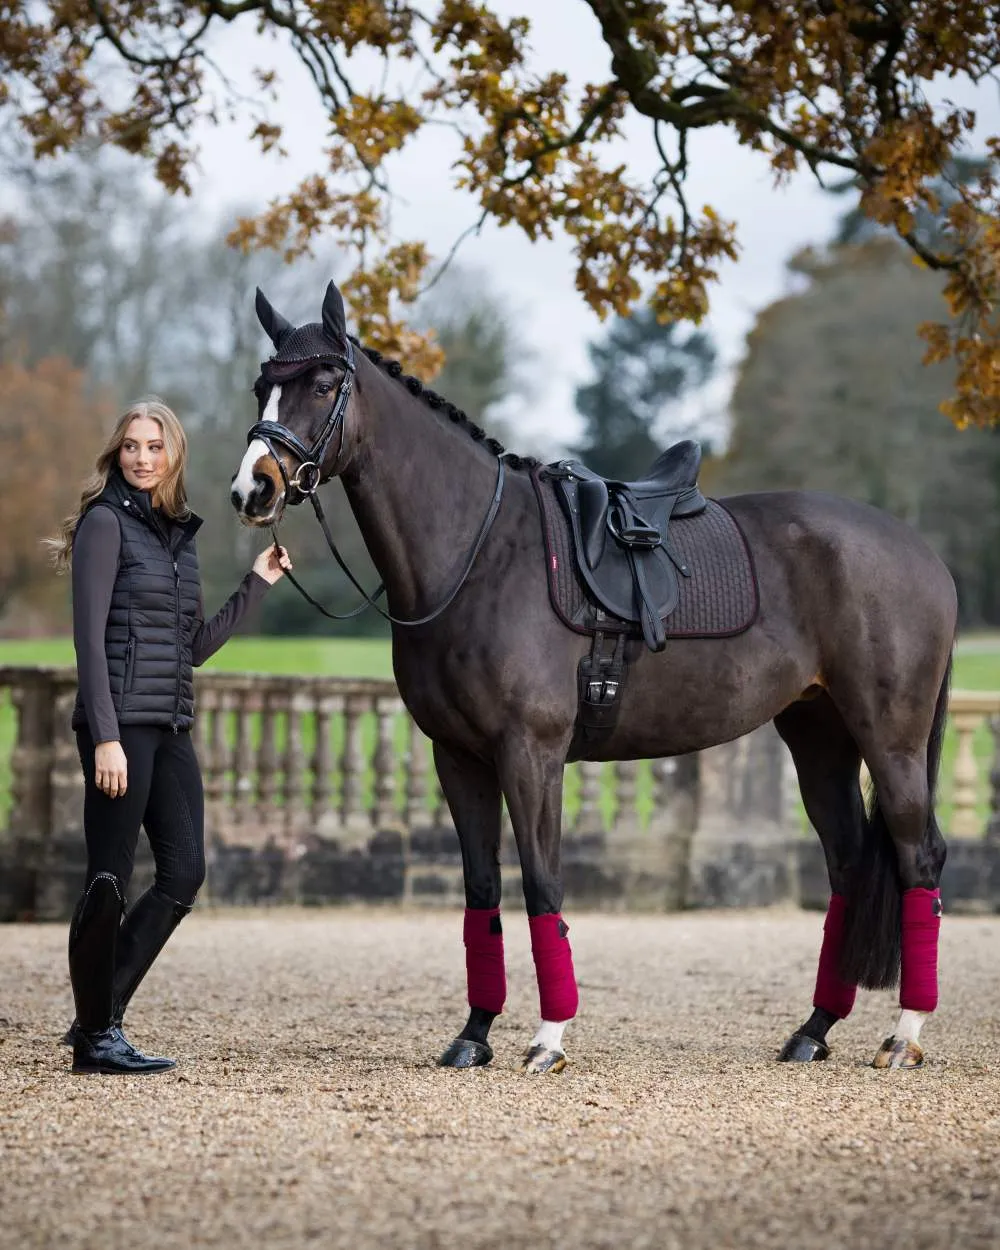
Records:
x=849, y=655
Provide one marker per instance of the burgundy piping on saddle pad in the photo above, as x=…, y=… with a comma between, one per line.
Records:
x=918, y=990
x=558, y=997
x=484, y=962
x=833, y=994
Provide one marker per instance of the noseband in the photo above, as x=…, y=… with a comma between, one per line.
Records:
x=309, y=475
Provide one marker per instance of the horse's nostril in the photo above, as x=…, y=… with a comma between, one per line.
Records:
x=265, y=489
x=236, y=499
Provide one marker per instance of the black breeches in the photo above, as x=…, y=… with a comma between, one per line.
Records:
x=164, y=795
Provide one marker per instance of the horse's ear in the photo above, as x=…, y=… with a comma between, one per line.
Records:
x=334, y=317
x=276, y=327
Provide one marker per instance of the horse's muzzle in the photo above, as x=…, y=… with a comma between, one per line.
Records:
x=262, y=505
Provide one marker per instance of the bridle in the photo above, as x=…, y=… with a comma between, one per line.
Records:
x=310, y=458
x=308, y=477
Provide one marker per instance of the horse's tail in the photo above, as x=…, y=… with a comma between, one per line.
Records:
x=872, y=926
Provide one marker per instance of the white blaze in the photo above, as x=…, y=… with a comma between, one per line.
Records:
x=243, y=482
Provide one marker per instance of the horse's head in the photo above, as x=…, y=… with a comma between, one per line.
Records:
x=303, y=395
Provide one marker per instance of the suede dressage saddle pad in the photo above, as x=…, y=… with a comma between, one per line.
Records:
x=718, y=600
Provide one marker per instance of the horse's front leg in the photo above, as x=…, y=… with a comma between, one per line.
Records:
x=532, y=781
x=472, y=790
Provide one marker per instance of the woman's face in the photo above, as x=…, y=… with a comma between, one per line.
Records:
x=143, y=454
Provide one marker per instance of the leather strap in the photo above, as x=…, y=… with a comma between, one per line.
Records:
x=369, y=602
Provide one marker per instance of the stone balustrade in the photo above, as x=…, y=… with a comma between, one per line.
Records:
x=969, y=711
x=320, y=789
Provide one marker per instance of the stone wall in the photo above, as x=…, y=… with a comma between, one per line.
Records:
x=321, y=791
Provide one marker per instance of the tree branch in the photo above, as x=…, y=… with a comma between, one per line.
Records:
x=636, y=69
x=133, y=58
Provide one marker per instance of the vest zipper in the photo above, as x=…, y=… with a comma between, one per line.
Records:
x=177, y=619
x=129, y=669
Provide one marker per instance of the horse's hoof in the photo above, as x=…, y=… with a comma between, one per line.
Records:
x=538, y=1059
x=800, y=1048
x=898, y=1052
x=465, y=1053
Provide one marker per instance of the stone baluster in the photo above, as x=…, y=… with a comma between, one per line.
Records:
x=386, y=814
x=417, y=780
x=206, y=699
x=325, y=816
x=589, y=818
x=248, y=704
x=223, y=742
x=964, y=819
x=296, y=812
x=267, y=760
x=993, y=823
x=674, y=820
x=206, y=726
x=30, y=822
x=63, y=856
x=31, y=759
x=626, y=794
x=354, y=816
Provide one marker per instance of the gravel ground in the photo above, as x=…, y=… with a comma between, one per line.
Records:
x=306, y=1108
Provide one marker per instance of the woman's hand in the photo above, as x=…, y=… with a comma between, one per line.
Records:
x=111, y=769
x=272, y=563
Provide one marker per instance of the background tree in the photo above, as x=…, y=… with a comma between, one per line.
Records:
x=835, y=85
x=632, y=409
x=486, y=361
x=831, y=396
x=50, y=423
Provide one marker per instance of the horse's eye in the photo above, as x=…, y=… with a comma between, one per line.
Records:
x=322, y=388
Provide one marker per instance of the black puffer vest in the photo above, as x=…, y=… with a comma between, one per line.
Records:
x=153, y=613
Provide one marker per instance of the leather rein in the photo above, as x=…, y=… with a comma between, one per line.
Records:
x=308, y=477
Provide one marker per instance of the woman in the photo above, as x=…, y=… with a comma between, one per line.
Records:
x=138, y=628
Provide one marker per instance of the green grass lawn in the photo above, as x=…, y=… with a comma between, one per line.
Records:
x=334, y=657
x=977, y=667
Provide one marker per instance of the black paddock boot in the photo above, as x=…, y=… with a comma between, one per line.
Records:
x=99, y=1045
x=144, y=932
x=110, y=1052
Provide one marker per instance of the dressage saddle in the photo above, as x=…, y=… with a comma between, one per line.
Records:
x=621, y=534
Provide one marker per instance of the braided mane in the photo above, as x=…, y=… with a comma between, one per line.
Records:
x=433, y=400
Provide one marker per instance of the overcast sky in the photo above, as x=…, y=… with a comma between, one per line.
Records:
x=536, y=280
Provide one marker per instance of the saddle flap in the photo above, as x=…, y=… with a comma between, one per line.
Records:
x=593, y=499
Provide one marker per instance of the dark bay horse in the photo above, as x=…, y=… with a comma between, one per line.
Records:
x=850, y=656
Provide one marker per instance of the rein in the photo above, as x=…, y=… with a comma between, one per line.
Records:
x=308, y=477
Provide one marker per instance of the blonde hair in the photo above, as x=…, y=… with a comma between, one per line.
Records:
x=171, y=492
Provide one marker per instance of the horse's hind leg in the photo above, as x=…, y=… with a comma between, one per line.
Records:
x=472, y=790
x=903, y=809
x=894, y=920
x=827, y=761
x=531, y=774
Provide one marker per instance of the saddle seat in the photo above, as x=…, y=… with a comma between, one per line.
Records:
x=634, y=577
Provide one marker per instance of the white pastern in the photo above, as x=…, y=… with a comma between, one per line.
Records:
x=550, y=1034
x=910, y=1024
